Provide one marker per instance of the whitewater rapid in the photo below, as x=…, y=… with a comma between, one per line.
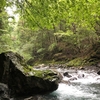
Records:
x=84, y=88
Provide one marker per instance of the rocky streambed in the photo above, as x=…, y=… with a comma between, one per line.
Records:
x=82, y=83
x=19, y=81
x=76, y=84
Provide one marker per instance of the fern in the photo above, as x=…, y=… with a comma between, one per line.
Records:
x=40, y=50
x=52, y=46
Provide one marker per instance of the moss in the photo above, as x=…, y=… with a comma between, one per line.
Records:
x=45, y=74
x=76, y=62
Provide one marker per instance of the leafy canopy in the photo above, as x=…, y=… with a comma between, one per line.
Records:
x=48, y=13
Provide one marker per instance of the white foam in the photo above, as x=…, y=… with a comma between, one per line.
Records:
x=65, y=91
x=76, y=91
x=88, y=78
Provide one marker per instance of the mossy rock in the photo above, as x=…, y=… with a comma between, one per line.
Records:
x=23, y=79
x=45, y=74
x=76, y=62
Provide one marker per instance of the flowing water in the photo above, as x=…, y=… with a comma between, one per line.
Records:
x=84, y=88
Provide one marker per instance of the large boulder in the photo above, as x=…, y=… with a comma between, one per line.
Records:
x=23, y=79
x=4, y=93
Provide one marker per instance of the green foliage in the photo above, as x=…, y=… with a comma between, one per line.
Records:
x=40, y=50
x=46, y=13
x=2, y=4
x=76, y=62
x=52, y=46
x=61, y=34
x=67, y=25
x=45, y=74
x=25, y=51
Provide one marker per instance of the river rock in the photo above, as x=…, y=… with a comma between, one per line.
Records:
x=82, y=68
x=23, y=79
x=67, y=74
x=4, y=93
x=72, y=79
x=81, y=75
x=67, y=82
x=98, y=64
x=98, y=72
